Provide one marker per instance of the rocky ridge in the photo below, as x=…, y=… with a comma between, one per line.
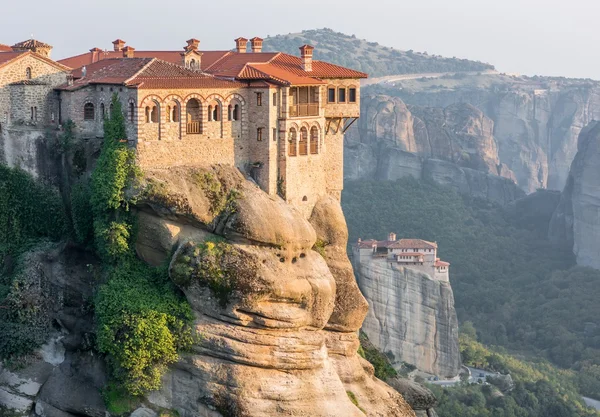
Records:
x=452, y=146
x=576, y=221
x=536, y=120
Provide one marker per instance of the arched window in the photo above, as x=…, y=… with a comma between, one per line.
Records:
x=314, y=140
x=147, y=112
x=216, y=113
x=88, y=111
x=131, y=112
x=28, y=73
x=236, y=112
x=154, y=114
x=110, y=111
x=293, y=142
x=210, y=113
x=303, y=148
x=193, y=63
x=229, y=112
x=175, y=113
x=102, y=110
x=193, y=111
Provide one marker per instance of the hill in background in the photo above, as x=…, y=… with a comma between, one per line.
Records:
x=370, y=57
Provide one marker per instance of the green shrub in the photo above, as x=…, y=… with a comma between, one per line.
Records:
x=142, y=323
x=383, y=368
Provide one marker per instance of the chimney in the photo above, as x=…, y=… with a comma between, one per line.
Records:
x=241, y=44
x=128, y=52
x=392, y=237
x=118, y=45
x=306, y=53
x=256, y=44
x=192, y=44
x=96, y=54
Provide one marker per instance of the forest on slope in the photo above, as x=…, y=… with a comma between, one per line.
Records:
x=519, y=290
x=370, y=57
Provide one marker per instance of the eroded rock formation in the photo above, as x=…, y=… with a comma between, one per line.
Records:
x=576, y=220
x=411, y=316
x=453, y=146
x=278, y=320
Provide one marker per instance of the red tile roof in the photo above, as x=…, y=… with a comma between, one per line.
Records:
x=31, y=44
x=320, y=69
x=5, y=48
x=208, y=57
x=146, y=73
x=109, y=71
x=6, y=57
x=160, y=74
x=412, y=244
x=439, y=263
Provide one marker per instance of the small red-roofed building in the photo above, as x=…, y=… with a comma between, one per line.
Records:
x=416, y=254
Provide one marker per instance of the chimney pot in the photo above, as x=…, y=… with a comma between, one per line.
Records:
x=118, y=45
x=241, y=44
x=192, y=44
x=306, y=53
x=128, y=52
x=256, y=44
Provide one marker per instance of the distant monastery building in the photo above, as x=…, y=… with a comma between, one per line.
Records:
x=415, y=254
x=279, y=118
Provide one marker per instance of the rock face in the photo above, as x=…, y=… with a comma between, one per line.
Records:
x=576, y=220
x=277, y=320
x=536, y=120
x=411, y=316
x=65, y=376
x=453, y=146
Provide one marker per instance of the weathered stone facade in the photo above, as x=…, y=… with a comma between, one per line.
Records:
x=281, y=123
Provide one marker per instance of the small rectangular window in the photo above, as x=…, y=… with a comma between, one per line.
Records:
x=331, y=95
x=352, y=95
x=274, y=99
x=259, y=133
x=342, y=95
x=259, y=99
x=274, y=134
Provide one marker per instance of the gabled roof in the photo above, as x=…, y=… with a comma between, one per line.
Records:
x=77, y=61
x=412, y=244
x=31, y=44
x=8, y=57
x=145, y=73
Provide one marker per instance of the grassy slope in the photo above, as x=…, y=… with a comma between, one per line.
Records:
x=370, y=57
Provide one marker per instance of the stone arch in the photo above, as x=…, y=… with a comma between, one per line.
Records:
x=193, y=113
x=173, y=108
x=293, y=140
x=235, y=96
x=215, y=104
x=314, y=135
x=303, y=139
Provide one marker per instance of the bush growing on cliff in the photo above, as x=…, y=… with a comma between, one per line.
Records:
x=115, y=171
x=142, y=323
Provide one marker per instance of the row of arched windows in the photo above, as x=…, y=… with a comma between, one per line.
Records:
x=89, y=111
x=300, y=145
x=193, y=110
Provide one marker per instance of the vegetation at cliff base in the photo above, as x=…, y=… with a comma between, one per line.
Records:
x=538, y=388
x=31, y=213
x=518, y=289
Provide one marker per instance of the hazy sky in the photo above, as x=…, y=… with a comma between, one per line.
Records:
x=547, y=37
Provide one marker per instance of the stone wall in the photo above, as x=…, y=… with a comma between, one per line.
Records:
x=47, y=77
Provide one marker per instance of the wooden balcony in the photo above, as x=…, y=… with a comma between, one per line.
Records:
x=193, y=128
x=304, y=110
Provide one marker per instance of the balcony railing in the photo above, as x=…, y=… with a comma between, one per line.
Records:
x=303, y=110
x=193, y=128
